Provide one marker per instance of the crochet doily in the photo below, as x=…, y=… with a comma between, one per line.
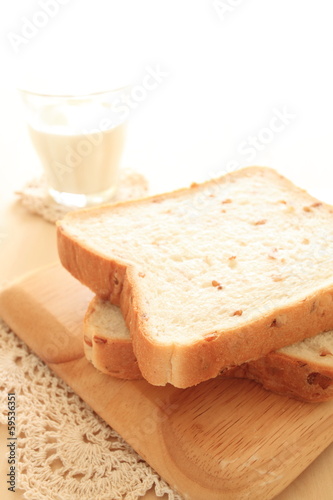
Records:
x=65, y=451
x=34, y=195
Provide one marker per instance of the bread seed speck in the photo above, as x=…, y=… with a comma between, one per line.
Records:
x=319, y=379
x=99, y=340
x=210, y=337
x=260, y=222
x=232, y=261
x=87, y=341
x=239, y=312
x=272, y=253
x=277, y=277
x=326, y=353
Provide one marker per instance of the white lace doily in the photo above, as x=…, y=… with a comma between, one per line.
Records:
x=64, y=450
x=34, y=195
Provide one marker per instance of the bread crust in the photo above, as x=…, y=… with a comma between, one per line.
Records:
x=288, y=376
x=114, y=357
x=187, y=365
x=256, y=340
x=284, y=374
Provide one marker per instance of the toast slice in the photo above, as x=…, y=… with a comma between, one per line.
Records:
x=303, y=370
x=107, y=341
x=210, y=276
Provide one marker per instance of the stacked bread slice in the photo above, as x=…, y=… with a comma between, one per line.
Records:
x=210, y=280
x=303, y=370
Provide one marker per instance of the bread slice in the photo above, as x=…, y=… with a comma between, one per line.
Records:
x=303, y=370
x=211, y=276
x=107, y=341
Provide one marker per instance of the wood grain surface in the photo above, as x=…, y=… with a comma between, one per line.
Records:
x=226, y=439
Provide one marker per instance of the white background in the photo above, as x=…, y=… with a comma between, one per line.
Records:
x=227, y=72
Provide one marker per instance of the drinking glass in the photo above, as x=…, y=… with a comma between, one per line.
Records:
x=79, y=140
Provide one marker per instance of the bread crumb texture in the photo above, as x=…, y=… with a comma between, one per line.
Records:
x=317, y=350
x=202, y=269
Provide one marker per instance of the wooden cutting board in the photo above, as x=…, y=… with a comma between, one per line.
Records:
x=227, y=439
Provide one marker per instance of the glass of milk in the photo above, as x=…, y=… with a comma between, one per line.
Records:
x=79, y=140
